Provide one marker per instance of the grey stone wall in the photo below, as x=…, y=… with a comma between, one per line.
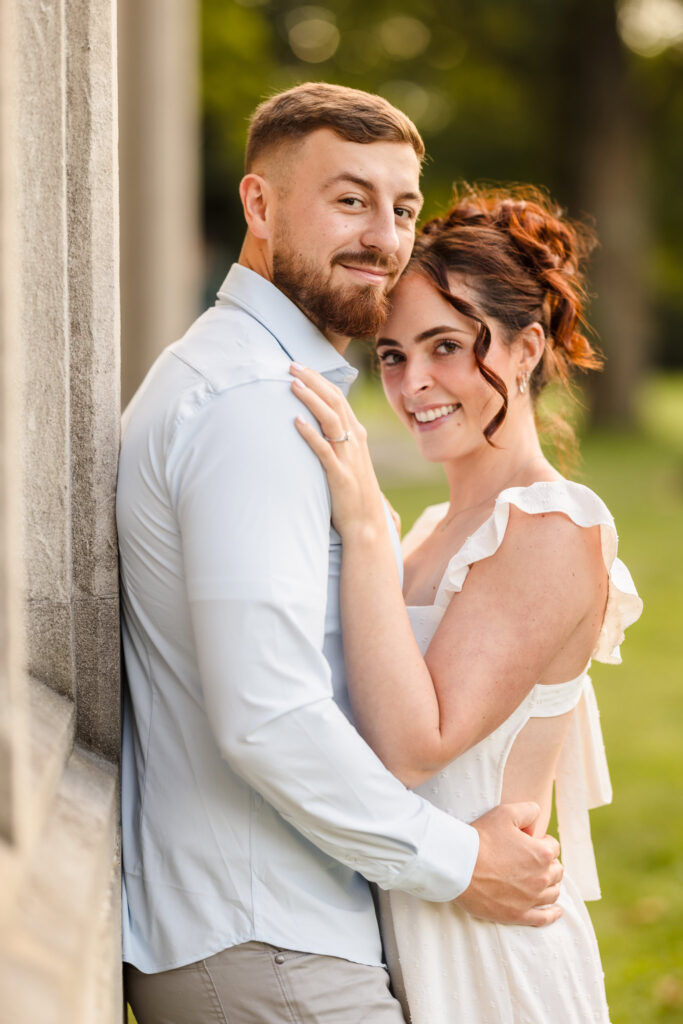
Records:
x=59, y=415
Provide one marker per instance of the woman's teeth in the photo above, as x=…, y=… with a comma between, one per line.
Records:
x=427, y=415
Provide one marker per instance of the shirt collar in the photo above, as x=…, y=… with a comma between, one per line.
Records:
x=293, y=331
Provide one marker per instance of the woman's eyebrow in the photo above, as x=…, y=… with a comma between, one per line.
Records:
x=441, y=329
x=424, y=335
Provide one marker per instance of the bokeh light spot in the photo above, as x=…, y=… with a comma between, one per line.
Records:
x=404, y=37
x=312, y=33
x=649, y=27
x=429, y=109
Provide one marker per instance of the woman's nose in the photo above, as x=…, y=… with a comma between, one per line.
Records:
x=416, y=378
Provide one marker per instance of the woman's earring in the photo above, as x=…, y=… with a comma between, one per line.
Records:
x=523, y=381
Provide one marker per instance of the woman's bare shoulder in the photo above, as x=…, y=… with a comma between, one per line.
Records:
x=553, y=545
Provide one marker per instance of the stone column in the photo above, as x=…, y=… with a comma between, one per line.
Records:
x=44, y=311
x=13, y=753
x=159, y=151
x=94, y=366
x=59, y=410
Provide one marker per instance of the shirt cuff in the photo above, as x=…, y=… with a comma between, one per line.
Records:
x=443, y=867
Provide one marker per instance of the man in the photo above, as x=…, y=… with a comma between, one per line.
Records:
x=253, y=812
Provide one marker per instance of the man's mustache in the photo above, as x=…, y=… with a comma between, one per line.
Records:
x=386, y=262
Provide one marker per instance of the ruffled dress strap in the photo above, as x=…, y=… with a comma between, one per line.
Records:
x=585, y=509
x=582, y=779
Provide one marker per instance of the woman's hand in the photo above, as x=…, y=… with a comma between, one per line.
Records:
x=357, y=501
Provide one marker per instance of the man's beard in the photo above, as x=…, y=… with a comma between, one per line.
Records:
x=354, y=311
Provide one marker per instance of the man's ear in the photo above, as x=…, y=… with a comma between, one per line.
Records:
x=257, y=198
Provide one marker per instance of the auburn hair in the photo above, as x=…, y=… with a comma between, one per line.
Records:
x=524, y=259
x=354, y=115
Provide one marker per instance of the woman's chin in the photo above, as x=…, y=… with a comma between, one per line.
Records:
x=435, y=451
x=443, y=450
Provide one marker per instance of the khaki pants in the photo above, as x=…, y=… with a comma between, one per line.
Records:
x=255, y=983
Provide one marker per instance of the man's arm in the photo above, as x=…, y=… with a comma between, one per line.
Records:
x=253, y=510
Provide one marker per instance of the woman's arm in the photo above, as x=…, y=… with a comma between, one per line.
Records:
x=497, y=637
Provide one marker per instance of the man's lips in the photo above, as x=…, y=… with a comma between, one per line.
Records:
x=370, y=268
x=373, y=275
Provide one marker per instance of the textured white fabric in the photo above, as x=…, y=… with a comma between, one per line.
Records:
x=452, y=967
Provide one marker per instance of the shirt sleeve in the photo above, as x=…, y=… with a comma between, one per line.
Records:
x=254, y=515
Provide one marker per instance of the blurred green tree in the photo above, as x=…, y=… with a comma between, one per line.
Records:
x=581, y=96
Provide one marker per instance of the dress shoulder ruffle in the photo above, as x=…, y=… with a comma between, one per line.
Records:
x=584, y=508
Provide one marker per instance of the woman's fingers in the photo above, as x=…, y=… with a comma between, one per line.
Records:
x=324, y=389
x=330, y=421
x=318, y=444
x=343, y=452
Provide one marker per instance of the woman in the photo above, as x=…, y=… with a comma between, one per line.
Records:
x=477, y=691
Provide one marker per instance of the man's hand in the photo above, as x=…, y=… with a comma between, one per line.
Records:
x=516, y=878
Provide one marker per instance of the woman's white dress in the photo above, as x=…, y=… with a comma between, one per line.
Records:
x=448, y=967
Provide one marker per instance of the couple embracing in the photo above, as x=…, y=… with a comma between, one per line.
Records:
x=273, y=767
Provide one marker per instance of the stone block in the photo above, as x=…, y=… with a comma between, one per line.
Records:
x=48, y=956
x=97, y=653
x=52, y=722
x=49, y=643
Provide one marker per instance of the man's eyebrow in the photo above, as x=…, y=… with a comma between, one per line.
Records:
x=369, y=186
x=424, y=335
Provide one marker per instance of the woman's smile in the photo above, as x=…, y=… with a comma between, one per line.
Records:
x=432, y=417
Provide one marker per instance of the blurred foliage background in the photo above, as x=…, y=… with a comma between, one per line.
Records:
x=584, y=97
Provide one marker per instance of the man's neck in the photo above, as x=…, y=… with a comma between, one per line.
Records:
x=255, y=258
x=338, y=341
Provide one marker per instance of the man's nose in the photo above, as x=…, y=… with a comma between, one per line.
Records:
x=380, y=232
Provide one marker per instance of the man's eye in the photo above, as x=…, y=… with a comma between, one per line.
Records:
x=404, y=212
x=352, y=201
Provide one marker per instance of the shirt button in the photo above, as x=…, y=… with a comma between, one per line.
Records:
x=279, y=958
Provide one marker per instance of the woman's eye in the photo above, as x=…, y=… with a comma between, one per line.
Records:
x=353, y=201
x=446, y=347
x=390, y=358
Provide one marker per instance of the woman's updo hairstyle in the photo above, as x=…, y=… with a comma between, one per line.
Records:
x=523, y=258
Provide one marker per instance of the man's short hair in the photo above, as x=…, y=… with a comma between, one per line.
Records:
x=354, y=115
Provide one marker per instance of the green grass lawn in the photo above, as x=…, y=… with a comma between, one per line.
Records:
x=639, y=837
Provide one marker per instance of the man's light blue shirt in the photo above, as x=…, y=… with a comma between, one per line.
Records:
x=252, y=809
